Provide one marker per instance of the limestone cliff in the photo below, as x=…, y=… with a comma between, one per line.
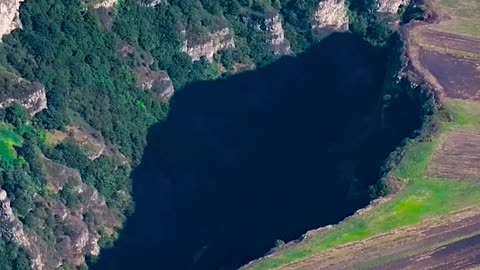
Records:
x=331, y=15
x=274, y=27
x=391, y=6
x=12, y=229
x=9, y=16
x=79, y=236
x=77, y=223
x=214, y=42
x=13, y=89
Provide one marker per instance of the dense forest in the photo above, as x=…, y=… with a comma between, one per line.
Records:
x=74, y=51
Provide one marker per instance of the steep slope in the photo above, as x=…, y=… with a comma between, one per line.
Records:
x=107, y=70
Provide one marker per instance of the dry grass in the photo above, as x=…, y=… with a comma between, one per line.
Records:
x=463, y=16
x=55, y=137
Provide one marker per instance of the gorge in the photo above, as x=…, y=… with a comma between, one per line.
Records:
x=265, y=155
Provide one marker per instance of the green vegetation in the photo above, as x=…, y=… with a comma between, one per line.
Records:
x=12, y=257
x=8, y=140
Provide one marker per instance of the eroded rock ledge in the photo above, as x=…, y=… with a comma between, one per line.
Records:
x=391, y=6
x=214, y=42
x=331, y=15
x=16, y=90
x=9, y=16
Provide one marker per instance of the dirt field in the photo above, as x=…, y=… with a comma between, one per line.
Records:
x=460, y=78
x=462, y=254
x=451, y=240
x=458, y=158
x=450, y=62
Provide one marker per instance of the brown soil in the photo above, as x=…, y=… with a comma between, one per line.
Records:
x=458, y=158
x=460, y=78
x=462, y=254
x=394, y=250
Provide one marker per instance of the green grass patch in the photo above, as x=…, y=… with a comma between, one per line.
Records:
x=8, y=140
x=423, y=197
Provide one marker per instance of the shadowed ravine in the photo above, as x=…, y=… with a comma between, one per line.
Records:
x=260, y=156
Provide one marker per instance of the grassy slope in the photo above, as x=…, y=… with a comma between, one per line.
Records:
x=8, y=139
x=423, y=196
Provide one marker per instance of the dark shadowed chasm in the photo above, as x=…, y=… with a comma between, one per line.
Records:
x=264, y=155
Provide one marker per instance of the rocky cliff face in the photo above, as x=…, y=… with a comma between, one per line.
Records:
x=215, y=42
x=391, y=6
x=77, y=226
x=278, y=42
x=104, y=3
x=158, y=82
x=9, y=16
x=12, y=229
x=31, y=96
x=331, y=15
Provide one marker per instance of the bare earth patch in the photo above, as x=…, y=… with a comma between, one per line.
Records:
x=458, y=158
x=462, y=254
x=460, y=78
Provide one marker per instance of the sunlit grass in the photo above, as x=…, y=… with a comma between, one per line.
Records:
x=8, y=139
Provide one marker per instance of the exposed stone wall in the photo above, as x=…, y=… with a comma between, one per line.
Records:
x=9, y=16
x=33, y=102
x=391, y=6
x=278, y=42
x=216, y=41
x=331, y=15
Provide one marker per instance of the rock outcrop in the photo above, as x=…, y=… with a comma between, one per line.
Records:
x=9, y=16
x=151, y=3
x=273, y=26
x=31, y=96
x=90, y=141
x=104, y=4
x=158, y=82
x=214, y=42
x=331, y=15
x=391, y=6
x=11, y=229
x=78, y=235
